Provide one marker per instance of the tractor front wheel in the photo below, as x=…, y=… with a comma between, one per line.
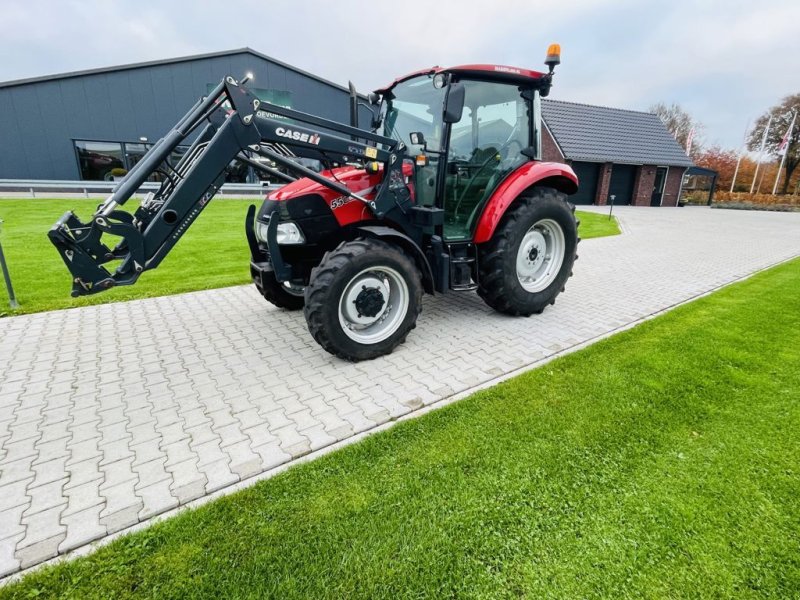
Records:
x=363, y=299
x=529, y=259
x=282, y=295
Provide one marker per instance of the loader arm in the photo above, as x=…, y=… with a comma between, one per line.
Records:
x=229, y=122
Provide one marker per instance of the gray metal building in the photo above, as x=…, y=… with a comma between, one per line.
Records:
x=96, y=124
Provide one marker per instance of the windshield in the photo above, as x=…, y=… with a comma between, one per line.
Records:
x=414, y=105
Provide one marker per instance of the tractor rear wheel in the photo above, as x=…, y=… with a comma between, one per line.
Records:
x=363, y=299
x=282, y=295
x=529, y=259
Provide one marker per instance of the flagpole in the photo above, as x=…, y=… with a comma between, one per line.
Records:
x=761, y=153
x=741, y=152
x=785, y=152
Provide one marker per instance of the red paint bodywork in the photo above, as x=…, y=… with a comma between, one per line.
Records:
x=516, y=183
x=352, y=211
x=355, y=179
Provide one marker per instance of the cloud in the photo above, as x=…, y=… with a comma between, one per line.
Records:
x=723, y=60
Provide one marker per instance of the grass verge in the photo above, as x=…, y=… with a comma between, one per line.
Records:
x=212, y=254
x=661, y=462
x=596, y=225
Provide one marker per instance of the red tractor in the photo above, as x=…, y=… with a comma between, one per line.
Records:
x=446, y=192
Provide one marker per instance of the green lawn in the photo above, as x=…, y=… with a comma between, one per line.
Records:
x=596, y=225
x=660, y=463
x=212, y=254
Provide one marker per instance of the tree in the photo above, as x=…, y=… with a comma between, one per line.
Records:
x=724, y=163
x=781, y=118
x=679, y=123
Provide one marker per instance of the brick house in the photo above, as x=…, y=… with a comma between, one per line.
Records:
x=624, y=153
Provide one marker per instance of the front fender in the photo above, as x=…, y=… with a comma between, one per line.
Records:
x=556, y=175
x=409, y=245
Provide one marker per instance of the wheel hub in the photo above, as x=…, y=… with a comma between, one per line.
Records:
x=369, y=301
x=366, y=300
x=540, y=255
x=533, y=252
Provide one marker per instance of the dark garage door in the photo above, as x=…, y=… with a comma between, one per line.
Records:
x=588, y=174
x=621, y=185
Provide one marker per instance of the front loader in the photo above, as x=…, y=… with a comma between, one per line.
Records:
x=446, y=192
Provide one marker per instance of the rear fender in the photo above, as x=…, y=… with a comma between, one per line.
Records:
x=406, y=243
x=555, y=175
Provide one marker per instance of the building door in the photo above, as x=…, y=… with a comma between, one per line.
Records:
x=588, y=174
x=621, y=184
x=658, y=186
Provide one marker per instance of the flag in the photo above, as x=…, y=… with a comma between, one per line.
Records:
x=761, y=153
x=689, y=139
x=784, y=145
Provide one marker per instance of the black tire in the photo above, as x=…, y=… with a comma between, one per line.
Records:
x=276, y=293
x=330, y=280
x=500, y=286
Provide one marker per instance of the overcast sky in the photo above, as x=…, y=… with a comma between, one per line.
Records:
x=725, y=61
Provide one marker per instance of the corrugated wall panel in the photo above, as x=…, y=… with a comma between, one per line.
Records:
x=39, y=120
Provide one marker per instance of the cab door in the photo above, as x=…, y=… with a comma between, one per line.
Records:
x=484, y=147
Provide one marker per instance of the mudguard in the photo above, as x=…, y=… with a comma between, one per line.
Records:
x=402, y=240
x=555, y=175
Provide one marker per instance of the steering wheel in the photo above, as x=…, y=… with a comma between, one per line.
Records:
x=502, y=152
x=492, y=157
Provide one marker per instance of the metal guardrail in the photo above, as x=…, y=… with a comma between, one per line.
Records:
x=34, y=186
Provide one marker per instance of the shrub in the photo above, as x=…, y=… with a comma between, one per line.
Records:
x=756, y=206
x=759, y=199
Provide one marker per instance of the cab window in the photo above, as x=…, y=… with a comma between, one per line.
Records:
x=485, y=146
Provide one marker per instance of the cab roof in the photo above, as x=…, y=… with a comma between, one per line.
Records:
x=501, y=73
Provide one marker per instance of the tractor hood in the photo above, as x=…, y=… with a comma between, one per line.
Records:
x=346, y=209
x=354, y=178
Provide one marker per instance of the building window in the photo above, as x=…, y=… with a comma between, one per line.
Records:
x=97, y=160
x=134, y=153
x=105, y=161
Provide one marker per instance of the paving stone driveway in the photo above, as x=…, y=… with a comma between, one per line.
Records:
x=112, y=414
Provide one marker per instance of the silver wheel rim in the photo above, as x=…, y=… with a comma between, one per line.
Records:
x=387, y=288
x=540, y=255
x=294, y=290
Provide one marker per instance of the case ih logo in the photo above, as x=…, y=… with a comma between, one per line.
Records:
x=298, y=136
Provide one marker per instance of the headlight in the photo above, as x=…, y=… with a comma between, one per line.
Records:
x=289, y=233
x=261, y=231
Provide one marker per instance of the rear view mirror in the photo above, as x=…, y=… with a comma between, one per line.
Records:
x=454, y=103
x=417, y=139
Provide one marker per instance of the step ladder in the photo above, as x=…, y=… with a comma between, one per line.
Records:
x=463, y=266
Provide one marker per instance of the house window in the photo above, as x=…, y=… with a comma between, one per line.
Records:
x=97, y=160
x=107, y=161
x=104, y=161
x=134, y=153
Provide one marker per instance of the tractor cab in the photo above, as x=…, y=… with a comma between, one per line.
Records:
x=465, y=129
